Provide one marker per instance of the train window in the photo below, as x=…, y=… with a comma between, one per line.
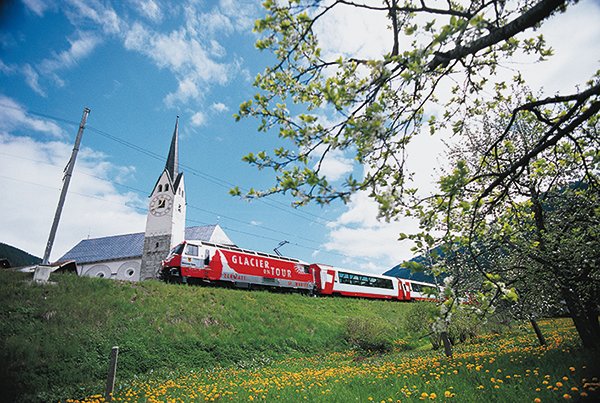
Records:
x=365, y=281
x=416, y=287
x=191, y=250
x=177, y=250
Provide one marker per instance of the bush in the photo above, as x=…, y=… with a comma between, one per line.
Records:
x=369, y=335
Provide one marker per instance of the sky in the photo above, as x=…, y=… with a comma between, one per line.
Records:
x=138, y=64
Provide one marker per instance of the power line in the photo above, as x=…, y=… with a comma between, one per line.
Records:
x=253, y=234
x=210, y=178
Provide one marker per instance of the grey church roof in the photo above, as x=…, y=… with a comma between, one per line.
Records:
x=118, y=247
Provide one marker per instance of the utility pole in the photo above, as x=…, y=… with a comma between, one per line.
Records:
x=61, y=201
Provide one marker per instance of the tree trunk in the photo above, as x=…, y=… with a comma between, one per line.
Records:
x=538, y=332
x=585, y=318
x=447, y=344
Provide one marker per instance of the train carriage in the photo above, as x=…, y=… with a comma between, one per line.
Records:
x=336, y=281
x=199, y=261
x=208, y=262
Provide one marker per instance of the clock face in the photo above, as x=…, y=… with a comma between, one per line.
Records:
x=161, y=204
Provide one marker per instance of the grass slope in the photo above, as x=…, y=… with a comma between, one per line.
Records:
x=55, y=340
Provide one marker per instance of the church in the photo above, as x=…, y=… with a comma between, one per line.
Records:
x=138, y=256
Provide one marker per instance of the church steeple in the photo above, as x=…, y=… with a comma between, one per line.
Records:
x=172, y=165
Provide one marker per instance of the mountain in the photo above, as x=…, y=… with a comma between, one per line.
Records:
x=17, y=257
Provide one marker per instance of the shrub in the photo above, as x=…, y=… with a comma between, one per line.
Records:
x=369, y=335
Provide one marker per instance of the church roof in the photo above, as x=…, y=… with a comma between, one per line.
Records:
x=172, y=165
x=118, y=247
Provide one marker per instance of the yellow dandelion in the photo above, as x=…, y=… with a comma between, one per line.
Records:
x=566, y=396
x=537, y=400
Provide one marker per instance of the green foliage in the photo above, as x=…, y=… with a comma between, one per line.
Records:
x=370, y=335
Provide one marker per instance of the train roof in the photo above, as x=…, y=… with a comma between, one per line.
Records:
x=247, y=251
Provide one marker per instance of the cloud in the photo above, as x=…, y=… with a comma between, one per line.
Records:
x=149, y=9
x=357, y=233
x=7, y=69
x=181, y=54
x=79, y=48
x=93, y=206
x=80, y=12
x=13, y=117
x=348, y=32
x=198, y=119
x=32, y=78
x=38, y=7
x=219, y=107
x=335, y=165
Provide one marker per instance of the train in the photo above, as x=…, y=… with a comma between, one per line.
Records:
x=210, y=263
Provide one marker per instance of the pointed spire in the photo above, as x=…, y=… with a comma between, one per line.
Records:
x=173, y=160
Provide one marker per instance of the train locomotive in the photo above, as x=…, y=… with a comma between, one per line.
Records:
x=205, y=262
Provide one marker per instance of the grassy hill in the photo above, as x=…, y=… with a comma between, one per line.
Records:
x=17, y=257
x=55, y=339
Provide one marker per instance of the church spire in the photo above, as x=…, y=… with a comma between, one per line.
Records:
x=172, y=165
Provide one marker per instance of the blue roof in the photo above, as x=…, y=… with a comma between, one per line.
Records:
x=119, y=247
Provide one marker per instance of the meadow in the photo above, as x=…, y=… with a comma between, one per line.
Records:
x=493, y=367
x=181, y=344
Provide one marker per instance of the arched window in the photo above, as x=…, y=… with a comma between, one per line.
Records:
x=160, y=188
x=166, y=188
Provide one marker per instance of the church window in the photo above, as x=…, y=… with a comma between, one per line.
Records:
x=179, y=208
x=160, y=188
x=157, y=245
x=166, y=188
x=130, y=272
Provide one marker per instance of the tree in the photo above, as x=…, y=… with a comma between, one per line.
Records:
x=534, y=235
x=373, y=108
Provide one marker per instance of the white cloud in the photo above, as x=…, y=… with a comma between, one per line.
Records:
x=150, y=9
x=198, y=119
x=348, y=32
x=7, y=69
x=39, y=7
x=357, y=233
x=81, y=12
x=219, y=107
x=79, y=48
x=32, y=78
x=335, y=165
x=185, y=56
x=93, y=206
x=13, y=116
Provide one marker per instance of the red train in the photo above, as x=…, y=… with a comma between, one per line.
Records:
x=197, y=261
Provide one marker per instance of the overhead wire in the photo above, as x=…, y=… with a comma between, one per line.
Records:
x=187, y=205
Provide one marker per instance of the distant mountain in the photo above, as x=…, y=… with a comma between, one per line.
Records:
x=17, y=257
x=401, y=271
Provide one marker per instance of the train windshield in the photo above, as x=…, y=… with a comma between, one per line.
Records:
x=178, y=249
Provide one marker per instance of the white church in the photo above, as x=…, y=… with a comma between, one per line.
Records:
x=137, y=256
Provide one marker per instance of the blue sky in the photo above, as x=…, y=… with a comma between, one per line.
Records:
x=137, y=64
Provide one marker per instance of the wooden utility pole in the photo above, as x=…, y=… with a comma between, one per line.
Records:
x=63, y=194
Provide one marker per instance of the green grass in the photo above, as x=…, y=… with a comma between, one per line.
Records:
x=493, y=368
x=55, y=340
x=179, y=343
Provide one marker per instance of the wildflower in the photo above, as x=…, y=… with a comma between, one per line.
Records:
x=566, y=396
x=559, y=384
x=432, y=396
x=537, y=400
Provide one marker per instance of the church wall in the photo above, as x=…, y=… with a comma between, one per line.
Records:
x=128, y=269
x=156, y=249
